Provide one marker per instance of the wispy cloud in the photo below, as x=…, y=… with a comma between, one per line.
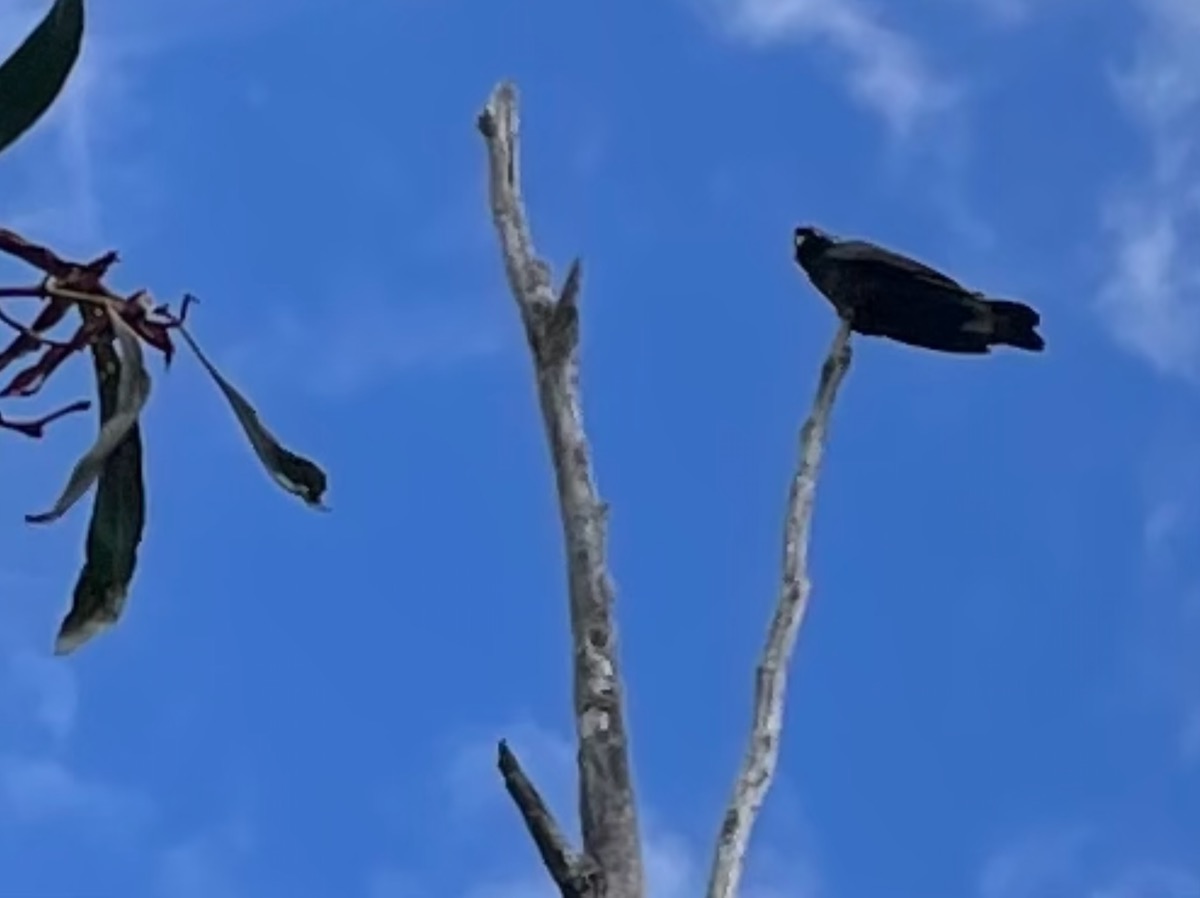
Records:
x=389, y=882
x=670, y=865
x=38, y=787
x=885, y=70
x=1189, y=731
x=1166, y=670
x=1005, y=12
x=87, y=147
x=472, y=782
x=1152, y=882
x=1170, y=487
x=675, y=866
x=1039, y=863
x=1189, y=740
x=338, y=349
x=1149, y=301
x=45, y=689
x=1009, y=13
x=41, y=789
x=1049, y=862
x=1151, y=298
x=56, y=190
x=206, y=865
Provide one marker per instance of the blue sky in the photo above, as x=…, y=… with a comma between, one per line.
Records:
x=997, y=693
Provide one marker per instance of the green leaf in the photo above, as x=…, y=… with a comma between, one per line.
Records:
x=118, y=519
x=293, y=472
x=34, y=75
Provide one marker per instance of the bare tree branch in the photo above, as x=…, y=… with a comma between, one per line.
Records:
x=770, y=684
x=576, y=876
x=607, y=806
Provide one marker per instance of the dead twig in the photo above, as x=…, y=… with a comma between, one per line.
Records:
x=36, y=429
x=30, y=334
x=770, y=682
x=576, y=875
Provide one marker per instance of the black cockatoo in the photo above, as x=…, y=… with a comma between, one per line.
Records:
x=885, y=294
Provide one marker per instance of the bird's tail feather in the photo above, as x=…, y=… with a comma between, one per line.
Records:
x=1016, y=325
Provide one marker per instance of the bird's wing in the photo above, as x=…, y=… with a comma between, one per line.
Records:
x=860, y=252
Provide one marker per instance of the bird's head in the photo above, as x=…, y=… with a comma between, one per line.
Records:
x=809, y=242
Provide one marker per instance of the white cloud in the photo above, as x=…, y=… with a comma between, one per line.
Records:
x=206, y=865
x=196, y=870
x=1166, y=628
x=55, y=163
x=675, y=867
x=473, y=783
x=885, y=70
x=1051, y=862
x=48, y=688
x=1162, y=86
x=1148, y=301
x=39, y=790
x=39, y=698
x=1151, y=297
x=87, y=145
x=532, y=886
x=1170, y=488
x=671, y=864
x=1189, y=689
x=343, y=349
x=670, y=867
x=1036, y=865
x=1166, y=665
x=1152, y=882
x=390, y=882
x=1189, y=741
x=1005, y=12
x=1163, y=526
x=1017, y=13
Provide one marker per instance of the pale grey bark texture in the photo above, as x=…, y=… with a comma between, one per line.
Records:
x=610, y=864
x=608, y=810
x=770, y=681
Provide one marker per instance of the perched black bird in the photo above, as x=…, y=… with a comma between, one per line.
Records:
x=885, y=294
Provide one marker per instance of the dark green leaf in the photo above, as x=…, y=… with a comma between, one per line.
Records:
x=118, y=519
x=294, y=473
x=34, y=75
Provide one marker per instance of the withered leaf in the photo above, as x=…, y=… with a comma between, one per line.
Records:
x=26, y=343
x=29, y=380
x=133, y=389
x=118, y=520
x=294, y=473
x=157, y=335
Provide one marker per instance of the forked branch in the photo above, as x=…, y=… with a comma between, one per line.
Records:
x=770, y=683
x=576, y=876
x=607, y=808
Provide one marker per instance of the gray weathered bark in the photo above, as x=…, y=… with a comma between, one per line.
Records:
x=770, y=682
x=611, y=862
